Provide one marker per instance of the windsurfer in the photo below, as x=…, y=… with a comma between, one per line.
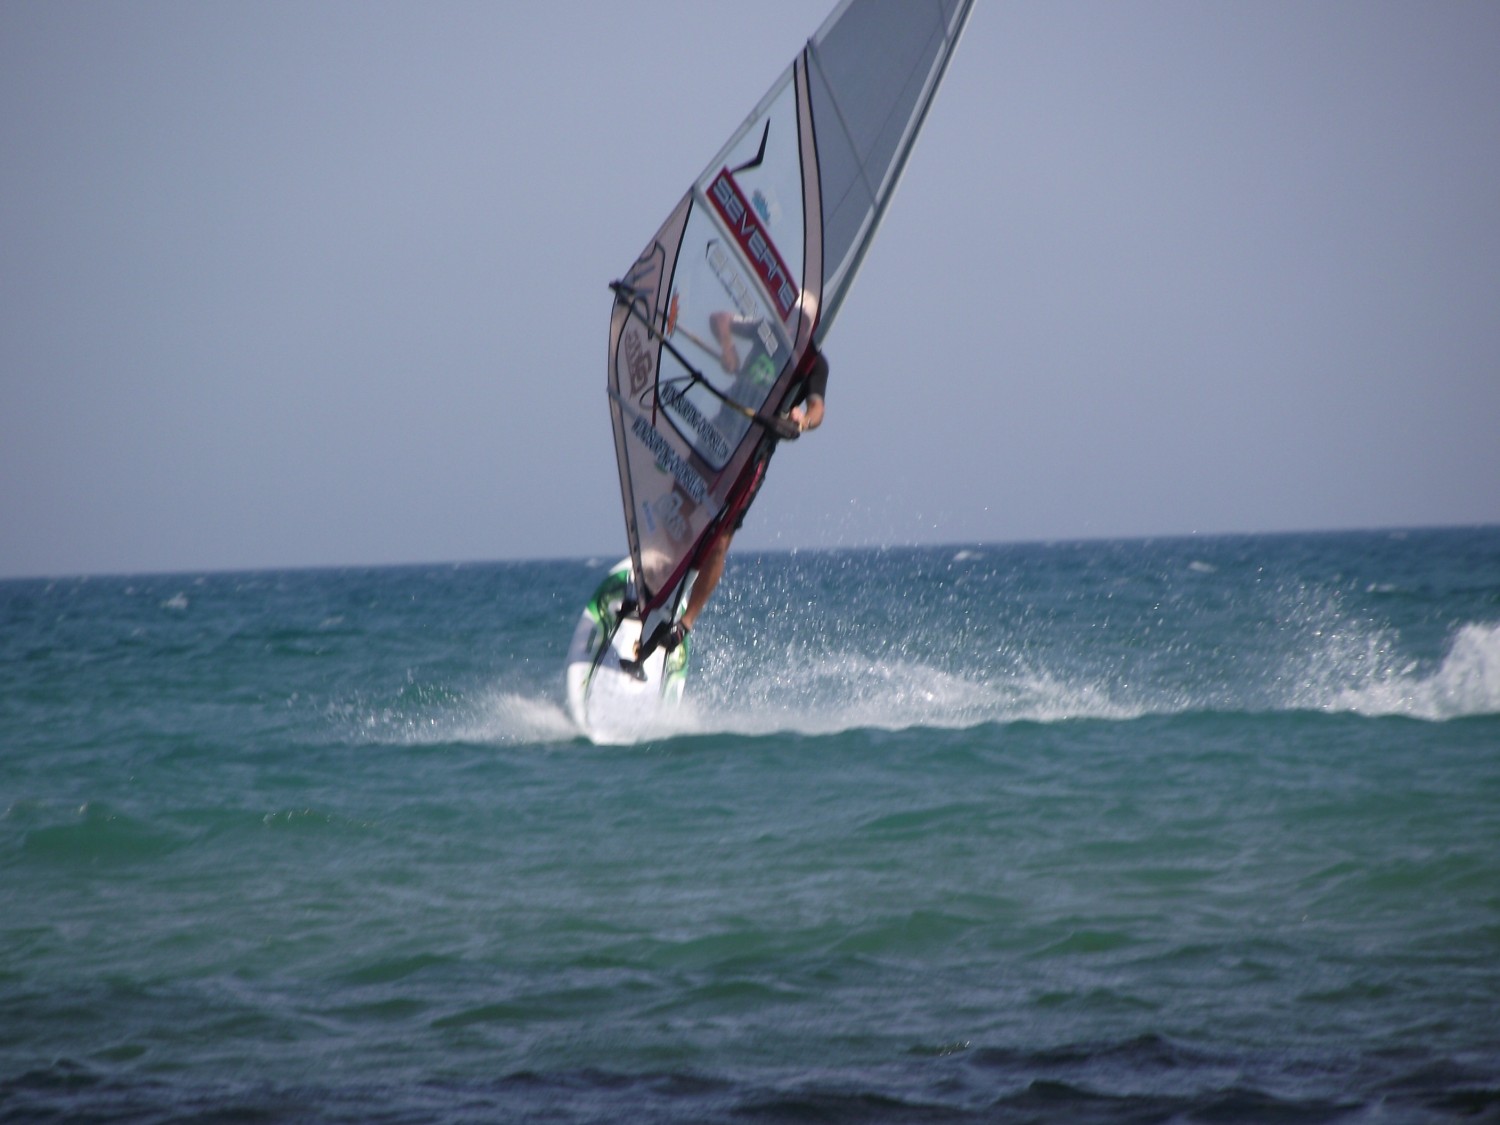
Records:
x=806, y=414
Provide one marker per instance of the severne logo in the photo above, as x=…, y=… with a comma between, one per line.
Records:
x=746, y=227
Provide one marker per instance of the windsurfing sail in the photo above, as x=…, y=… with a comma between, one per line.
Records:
x=713, y=324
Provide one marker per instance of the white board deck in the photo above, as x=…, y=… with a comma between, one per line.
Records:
x=608, y=704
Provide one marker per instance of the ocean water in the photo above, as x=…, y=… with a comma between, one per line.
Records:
x=1193, y=830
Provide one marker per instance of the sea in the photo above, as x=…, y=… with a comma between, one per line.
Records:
x=1198, y=829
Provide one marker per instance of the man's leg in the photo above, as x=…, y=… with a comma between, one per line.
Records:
x=710, y=570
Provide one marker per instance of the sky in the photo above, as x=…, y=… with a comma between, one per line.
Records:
x=324, y=283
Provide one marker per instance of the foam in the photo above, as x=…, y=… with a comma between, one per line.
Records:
x=496, y=716
x=750, y=689
x=836, y=691
x=503, y=716
x=1466, y=682
x=1340, y=668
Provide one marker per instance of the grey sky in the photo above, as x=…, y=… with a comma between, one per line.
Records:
x=324, y=283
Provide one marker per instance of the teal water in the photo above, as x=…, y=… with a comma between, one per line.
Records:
x=1187, y=830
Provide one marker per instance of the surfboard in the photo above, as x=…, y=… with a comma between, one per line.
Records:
x=608, y=703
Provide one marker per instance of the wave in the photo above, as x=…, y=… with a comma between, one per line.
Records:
x=495, y=716
x=1465, y=683
x=834, y=692
x=1107, y=1081
x=1349, y=670
x=736, y=690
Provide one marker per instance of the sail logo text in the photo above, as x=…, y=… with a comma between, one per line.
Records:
x=675, y=399
x=669, y=459
x=736, y=286
x=746, y=227
x=637, y=359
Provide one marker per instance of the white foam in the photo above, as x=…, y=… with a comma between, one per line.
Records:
x=504, y=716
x=1350, y=668
x=496, y=716
x=745, y=690
x=1467, y=682
x=836, y=691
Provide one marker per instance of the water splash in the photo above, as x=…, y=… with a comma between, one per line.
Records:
x=494, y=716
x=505, y=716
x=1330, y=666
x=832, y=691
x=1467, y=682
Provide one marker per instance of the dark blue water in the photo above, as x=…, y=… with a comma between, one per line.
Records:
x=1188, y=830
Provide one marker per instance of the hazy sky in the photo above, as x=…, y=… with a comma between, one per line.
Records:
x=325, y=283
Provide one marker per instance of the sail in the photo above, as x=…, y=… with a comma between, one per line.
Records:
x=712, y=324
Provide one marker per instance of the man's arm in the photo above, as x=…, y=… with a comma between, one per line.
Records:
x=808, y=416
